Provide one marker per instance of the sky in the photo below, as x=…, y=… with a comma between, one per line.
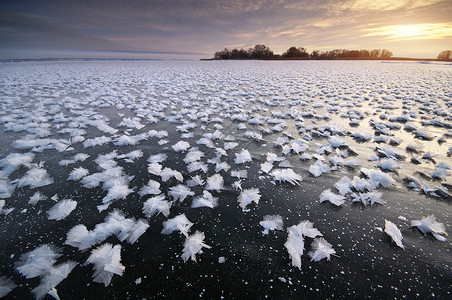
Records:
x=196, y=29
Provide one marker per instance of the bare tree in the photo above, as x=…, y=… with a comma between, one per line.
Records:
x=260, y=51
x=375, y=53
x=385, y=53
x=299, y=52
x=446, y=55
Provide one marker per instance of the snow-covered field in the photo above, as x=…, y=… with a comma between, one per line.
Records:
x=225, y=179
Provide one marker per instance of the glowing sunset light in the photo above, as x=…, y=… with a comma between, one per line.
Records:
x=408, y=31
x=417, y=31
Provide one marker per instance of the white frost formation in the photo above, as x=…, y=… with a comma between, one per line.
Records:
x=394, y=232
x=107, y=262
x=156, y=205
x=61, y=210
x=295, y=240
x=206, y=200
x=321, y=249
x=6, y=286
x=181, y=146
x=271, y=222
x=286, y=175
x=193, y=245
x=179, y=222
x=243, y=157
x=34, y=178
x=248, y=196
x=180, y=192
x=40, y=262
x=215, y=183
x=335, y=199
x=429, y=224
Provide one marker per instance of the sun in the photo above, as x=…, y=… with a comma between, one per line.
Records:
x=407, y=31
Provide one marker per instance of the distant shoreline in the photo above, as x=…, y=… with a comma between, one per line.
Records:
x=10, y=60
x=88, y=59
x=313, y=59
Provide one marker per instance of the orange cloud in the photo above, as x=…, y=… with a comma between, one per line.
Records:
x=390, y=4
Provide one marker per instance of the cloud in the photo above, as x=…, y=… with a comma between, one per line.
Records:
x=387, y=5
x=23, y=30
x=202, y=25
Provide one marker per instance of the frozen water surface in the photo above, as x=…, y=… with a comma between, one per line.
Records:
x=100, y=161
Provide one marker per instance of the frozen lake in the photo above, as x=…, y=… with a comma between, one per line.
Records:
x=157, y=179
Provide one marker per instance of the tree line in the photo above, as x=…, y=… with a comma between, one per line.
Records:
x=264, y=52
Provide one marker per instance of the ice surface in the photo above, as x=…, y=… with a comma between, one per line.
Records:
x=154, y=134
